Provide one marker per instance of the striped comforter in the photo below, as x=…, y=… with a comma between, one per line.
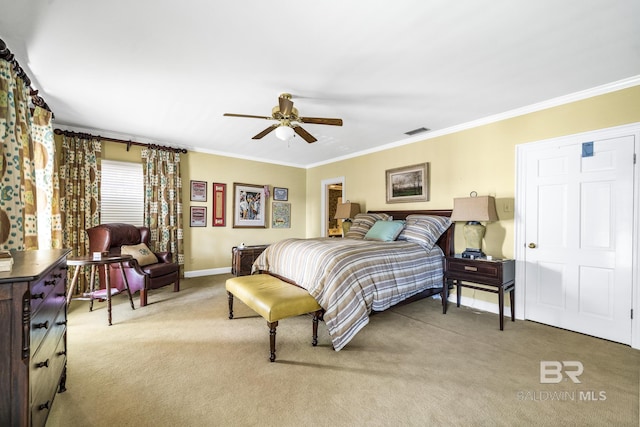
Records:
x=349, y=278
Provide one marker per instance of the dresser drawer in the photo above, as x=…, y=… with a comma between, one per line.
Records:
x=47, y=367
x=41, y=289
x=47, y=316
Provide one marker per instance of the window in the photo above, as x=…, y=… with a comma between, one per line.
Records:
x=122, y=193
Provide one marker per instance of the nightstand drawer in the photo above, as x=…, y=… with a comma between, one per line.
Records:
x=492, y=272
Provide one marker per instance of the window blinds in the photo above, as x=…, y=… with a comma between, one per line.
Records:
x=122, y=193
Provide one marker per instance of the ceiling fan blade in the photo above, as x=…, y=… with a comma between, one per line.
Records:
x=265, y=132
x=286, y=106
x=304, y=134
x=320, y=121
x=248, y=116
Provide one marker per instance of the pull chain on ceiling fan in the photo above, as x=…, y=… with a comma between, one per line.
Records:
x=288, y=121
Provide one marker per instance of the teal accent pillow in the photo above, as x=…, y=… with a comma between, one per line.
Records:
x=386, y=231
x=363, y=223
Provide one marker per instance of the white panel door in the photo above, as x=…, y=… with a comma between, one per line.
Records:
x=579, y=222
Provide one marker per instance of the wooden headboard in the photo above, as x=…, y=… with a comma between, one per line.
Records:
x=446, y=241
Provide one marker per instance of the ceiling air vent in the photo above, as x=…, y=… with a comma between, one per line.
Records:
x=416, y=131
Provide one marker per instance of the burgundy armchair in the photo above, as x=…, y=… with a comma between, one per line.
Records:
x=110, y=237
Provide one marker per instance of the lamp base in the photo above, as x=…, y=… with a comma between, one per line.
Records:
x=346, y=226
x=473, y=253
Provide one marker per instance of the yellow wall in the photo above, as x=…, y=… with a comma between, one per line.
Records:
x=481, y=159
x=210, y=247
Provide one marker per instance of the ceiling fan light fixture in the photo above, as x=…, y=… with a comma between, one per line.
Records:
x=284, y=132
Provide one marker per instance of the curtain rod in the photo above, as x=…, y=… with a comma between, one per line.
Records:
x=6, y=54
x=120, y=141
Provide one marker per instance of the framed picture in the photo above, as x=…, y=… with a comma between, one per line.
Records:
x=280, y=215
x=249, y=206
x=219, y=204
x=280, y=194
x=408, y=184
x=198, y=191
x=198, y=216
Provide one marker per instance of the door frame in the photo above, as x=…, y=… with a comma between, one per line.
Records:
x=324, y=194
x=522, y=151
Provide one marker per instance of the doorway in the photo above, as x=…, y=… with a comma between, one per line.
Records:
x=577, y=212
x=332, y=189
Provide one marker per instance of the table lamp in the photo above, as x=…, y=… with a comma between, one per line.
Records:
x=474, y=209
x=346, y=211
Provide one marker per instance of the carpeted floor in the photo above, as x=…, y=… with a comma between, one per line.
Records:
x=181, y=362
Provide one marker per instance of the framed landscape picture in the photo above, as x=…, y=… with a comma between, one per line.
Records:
x=249, y=206
x=408, y=184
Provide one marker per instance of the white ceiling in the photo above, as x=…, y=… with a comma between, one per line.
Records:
x=165, y=71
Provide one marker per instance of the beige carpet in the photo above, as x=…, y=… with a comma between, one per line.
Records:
x=181, y=362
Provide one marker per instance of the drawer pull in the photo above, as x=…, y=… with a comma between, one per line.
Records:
x=61, y=322
x=61, y=353
x=38, y=296
x=57, y=275
x=470, y=268
x=44, y=405
x=44, y=325
x=61, y=294
x=49, y=282
x=44, y=364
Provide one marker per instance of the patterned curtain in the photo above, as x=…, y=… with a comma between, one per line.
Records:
x=18, y=228
x=80, y=188
x=48, y=189
x=163, y=201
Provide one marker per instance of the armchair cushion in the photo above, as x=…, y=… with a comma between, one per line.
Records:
x=140, y=253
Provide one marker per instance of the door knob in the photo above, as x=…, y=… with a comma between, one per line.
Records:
x=532, y=245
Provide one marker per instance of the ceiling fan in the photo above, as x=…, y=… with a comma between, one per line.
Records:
x=288, y=121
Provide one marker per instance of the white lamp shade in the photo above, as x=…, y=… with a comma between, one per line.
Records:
x=284, y=133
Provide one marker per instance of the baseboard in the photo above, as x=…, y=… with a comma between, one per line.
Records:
x=481, y=305
x=208, y=272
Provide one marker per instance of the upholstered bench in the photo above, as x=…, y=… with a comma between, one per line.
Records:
x=273, y=299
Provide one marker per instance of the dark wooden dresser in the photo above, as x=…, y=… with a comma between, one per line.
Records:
x=242, y=258
x=33, y=336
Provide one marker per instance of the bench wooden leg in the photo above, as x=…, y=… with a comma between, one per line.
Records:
x=272, y=340
x=230, y=298
x=316, y=316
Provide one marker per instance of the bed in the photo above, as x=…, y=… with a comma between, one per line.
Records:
x=386, y=258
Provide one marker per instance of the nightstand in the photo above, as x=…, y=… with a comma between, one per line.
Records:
x=496, y=276
x=242, y=258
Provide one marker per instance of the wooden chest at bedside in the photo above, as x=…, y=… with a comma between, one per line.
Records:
x=242, y=258
x=33, y=336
